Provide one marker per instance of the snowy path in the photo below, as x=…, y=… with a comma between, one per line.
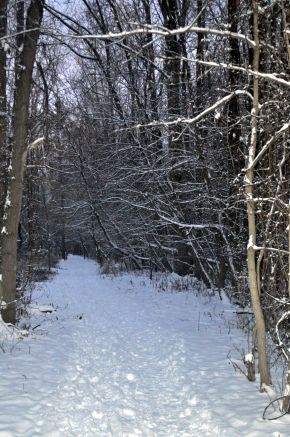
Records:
x=119, y=359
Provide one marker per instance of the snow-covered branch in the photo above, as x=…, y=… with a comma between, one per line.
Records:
x=190, y=226
x=143, y=29
x=284, y=317
x=253, y=246
x=183, y=120
x=270, y=142
x=15, y=34
x=266, y=76
x=36, y=143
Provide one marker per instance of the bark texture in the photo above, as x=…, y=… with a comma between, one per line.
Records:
x=265, y=378
x=3, y=120
x=23, y=81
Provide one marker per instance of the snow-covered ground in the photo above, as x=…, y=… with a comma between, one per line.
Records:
x=118, y=358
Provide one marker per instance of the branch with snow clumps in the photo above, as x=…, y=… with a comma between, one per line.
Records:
x=202, y=114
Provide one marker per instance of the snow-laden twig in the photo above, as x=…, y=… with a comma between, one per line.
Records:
x=13, y=35
x=144, y=29
x=36, y=143
x=285, y=350
x=269, y=143
x=188, y=121
x=272, y=249
x=190, y=226
x=266, y=76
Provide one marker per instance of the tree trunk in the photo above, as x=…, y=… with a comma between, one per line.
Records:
x=3, y=104
x=23, y=81
x=234, y=132
x=3, y=121
x=286, y=400
x=249, y=180
x=63, y=239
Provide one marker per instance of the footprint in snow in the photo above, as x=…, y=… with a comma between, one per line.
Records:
x=192, y=401
x=97, y=415
x=135, y=433
x=185, y=413
x=130, y=377
x=94, y=379
x=127, y=413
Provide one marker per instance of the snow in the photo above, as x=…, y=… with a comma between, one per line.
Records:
x=5, y=46
x=7, y=202
x=9, y=337
x=3, y=304
x=42, y=308
x=119, y=358
x=250, y=242
x=249, y=358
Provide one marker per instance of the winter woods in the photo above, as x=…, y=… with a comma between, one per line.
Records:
x=166, y=142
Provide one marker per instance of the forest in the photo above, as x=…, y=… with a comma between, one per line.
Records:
x=152, y=135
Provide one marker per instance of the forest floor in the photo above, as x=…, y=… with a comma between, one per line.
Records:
x=120, y=357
